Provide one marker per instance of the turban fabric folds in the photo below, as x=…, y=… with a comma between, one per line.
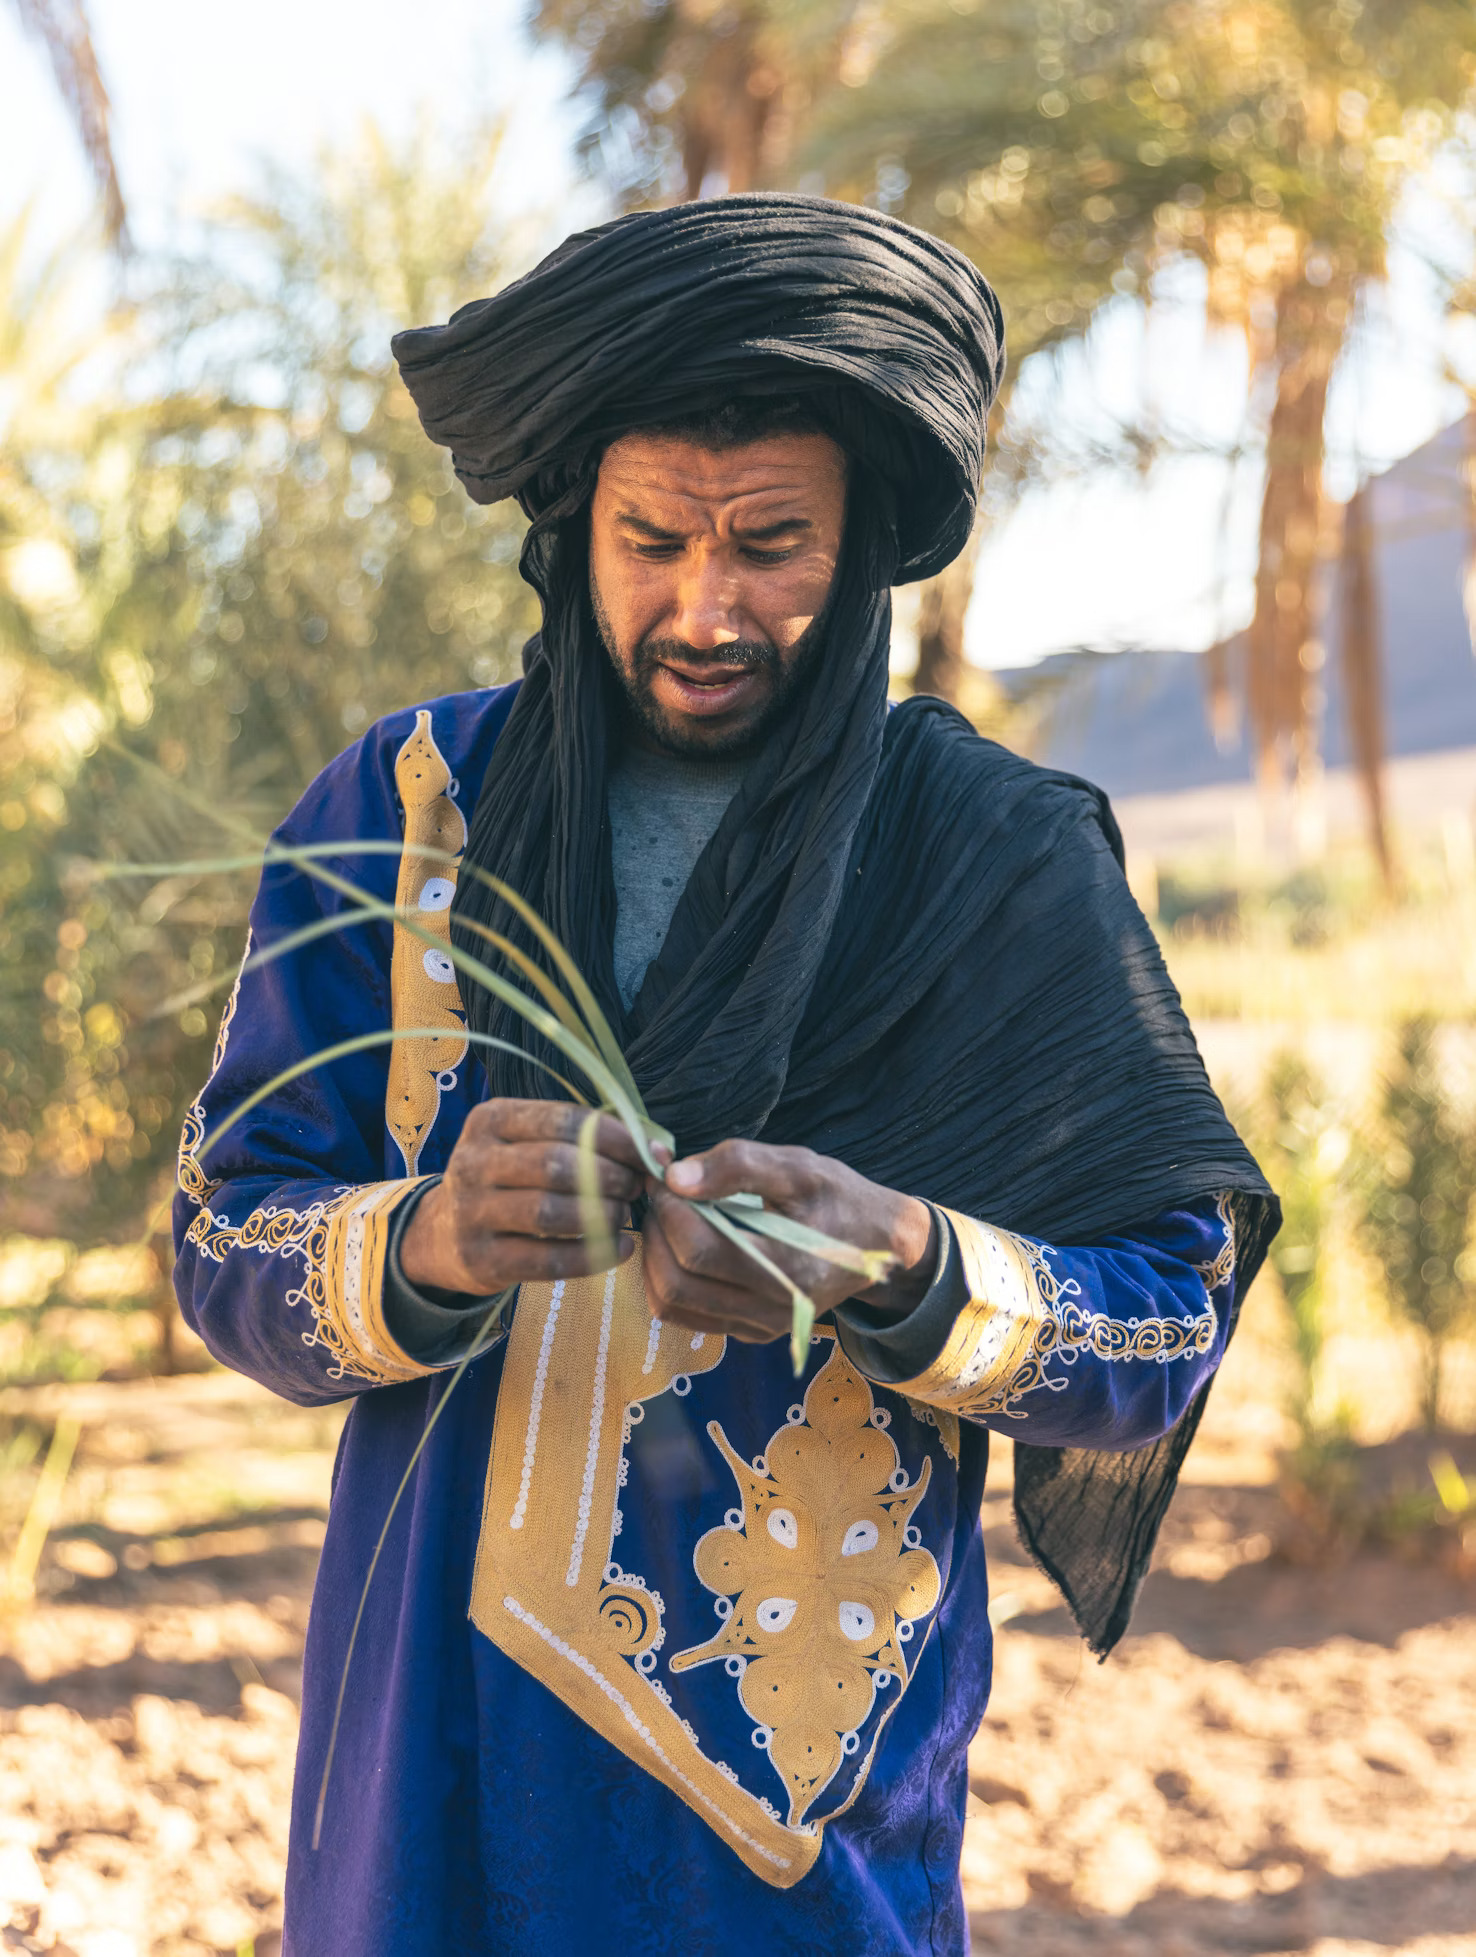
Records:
x=903, y=945
x=650, y=317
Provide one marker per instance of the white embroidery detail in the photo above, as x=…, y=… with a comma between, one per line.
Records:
x=596, y=1420
x=653, y=1340
x=535, y=1406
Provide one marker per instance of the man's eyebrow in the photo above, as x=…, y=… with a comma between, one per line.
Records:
x=766, y=532
x=761, y=533
x=647, y=528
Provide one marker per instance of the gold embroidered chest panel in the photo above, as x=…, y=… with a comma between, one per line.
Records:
x=422, y=977
x=815, y=1576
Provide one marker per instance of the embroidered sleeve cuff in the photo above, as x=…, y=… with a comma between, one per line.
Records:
x=985, y=1355
x=350, y=1317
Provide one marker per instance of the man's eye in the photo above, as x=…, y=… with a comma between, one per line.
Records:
x=657, y=553
x=757, y=556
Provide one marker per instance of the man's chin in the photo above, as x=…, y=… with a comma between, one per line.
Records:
x=697, y=737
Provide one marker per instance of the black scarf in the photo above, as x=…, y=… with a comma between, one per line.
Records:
x=904, y=946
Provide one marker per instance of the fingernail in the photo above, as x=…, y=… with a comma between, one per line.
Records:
x=685, y=1175
x=661, y=1152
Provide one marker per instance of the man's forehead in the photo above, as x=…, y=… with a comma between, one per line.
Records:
x=783, y=469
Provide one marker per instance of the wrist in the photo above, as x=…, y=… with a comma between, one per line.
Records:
x=423, y=1263
x=914, y=1244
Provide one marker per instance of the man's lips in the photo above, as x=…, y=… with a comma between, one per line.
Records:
x=708, y=689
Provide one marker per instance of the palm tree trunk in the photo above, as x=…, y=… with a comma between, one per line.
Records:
x=1362, y=643
x=1281, y=661
x=729, y=103
x=1430, y=1381
x=940, y=631
x=64, y=31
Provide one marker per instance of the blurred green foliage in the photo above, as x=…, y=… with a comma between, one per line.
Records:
x=218, y=563
x=1418, y=1180
x=1302, y=1147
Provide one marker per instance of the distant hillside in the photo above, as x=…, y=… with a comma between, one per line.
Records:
x=1136, y=722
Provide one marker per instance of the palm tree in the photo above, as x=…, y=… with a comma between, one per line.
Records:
x=63, y=29
x=1270, y=139
x=692, y=97
x=204, y=593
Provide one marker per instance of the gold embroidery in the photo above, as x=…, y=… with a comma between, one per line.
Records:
x=583, y=1360
x=1221, y=1267
x=343, y=1240
x=828, y=1577
x=1020, y=1316
x=191, y=1176
x=423, y=988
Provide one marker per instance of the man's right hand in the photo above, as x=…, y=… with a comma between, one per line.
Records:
x=507, y=1210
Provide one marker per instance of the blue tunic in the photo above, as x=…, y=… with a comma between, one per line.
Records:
x=668, y=1649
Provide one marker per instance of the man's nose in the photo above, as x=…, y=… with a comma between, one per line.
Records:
x=707, y=613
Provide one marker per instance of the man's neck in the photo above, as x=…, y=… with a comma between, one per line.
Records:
x=636, y=739
x=703, y=775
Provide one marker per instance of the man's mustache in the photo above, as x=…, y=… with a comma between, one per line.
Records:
x=756, y=653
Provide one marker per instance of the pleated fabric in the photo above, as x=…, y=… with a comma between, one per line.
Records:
x=904, y=946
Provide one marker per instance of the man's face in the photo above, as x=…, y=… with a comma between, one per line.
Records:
x=709, y=571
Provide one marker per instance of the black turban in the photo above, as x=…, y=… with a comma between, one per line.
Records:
x=652, y=316
x=903, y=946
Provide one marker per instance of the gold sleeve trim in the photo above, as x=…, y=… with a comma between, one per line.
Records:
x=1020, y=1316
x=351, y=1318
x=994, y=1336
x=423, y=990
x=1221, y=1267
x=190, y=1176
x=343, y=1241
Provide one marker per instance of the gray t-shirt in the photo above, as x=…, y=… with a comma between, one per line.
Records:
x=663, y=812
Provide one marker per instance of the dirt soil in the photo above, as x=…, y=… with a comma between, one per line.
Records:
x=1279, y=1758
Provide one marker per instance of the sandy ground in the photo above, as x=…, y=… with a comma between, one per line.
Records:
x=1280, y=1758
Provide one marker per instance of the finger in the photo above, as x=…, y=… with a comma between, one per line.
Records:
x=548, y=1165
x=532, y=1213
x=531, y=1260
x=726, y=1307
x=701, y=1251
x=780, y=1175
x=706, y=1252
x=560, y=1121
x=713, y=1327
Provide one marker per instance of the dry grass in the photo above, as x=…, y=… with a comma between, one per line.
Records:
x=1321, y=947
x=1279, y=1758
x=148, y=1701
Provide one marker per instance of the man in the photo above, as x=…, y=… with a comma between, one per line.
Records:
x=670, y=1650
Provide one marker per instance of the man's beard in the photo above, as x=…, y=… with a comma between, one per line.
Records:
x=677, y=733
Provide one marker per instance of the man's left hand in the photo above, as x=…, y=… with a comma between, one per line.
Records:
x=697, y=1278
